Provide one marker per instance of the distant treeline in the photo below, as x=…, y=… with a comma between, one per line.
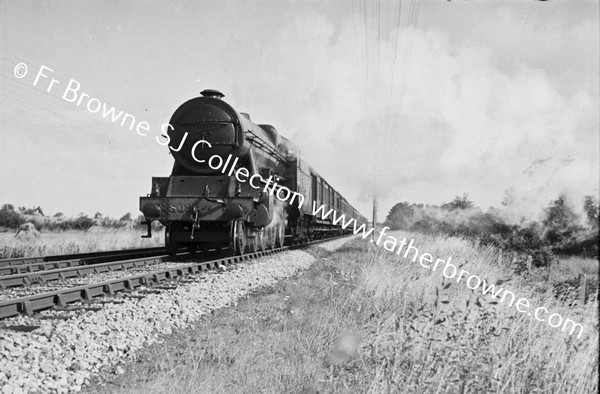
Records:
x=11, y=217
x=559, y=231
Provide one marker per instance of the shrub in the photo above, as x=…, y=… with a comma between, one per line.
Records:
x=560, y=232
x=542, y=257
x=9, y=217
x=82, y=223
x=400, y=216
x=459, y=202
x=592, y=211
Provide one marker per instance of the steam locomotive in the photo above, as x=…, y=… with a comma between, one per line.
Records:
x=228, y=184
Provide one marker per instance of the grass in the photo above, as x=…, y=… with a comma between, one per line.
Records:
x=67, y=242
x=363, y=320
x=572, y=266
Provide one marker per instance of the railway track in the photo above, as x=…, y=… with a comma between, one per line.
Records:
x=60, y=298
x=44, y=276
x=33, y=264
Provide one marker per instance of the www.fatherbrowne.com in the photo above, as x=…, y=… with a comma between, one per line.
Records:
x=450, y=271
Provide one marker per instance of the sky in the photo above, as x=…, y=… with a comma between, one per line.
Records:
x=419, y=103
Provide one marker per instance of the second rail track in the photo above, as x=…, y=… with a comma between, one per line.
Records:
x=60, y=298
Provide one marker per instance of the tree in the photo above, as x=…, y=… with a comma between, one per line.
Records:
x=560, y=223
x=126, y=218
x=400, y=216
x=31, y=211
x=82, y=223
x=592, y=211
x=422, y=226
x=459, y=203
x=9, y=217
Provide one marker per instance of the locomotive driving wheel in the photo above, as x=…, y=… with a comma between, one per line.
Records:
x=171, y=246
x=237, y=238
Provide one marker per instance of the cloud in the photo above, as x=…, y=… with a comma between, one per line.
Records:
x=459, y=119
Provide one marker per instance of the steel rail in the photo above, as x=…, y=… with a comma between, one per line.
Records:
x=41, y=263
x=29, y=278
x=73, y=256
x=60, y=298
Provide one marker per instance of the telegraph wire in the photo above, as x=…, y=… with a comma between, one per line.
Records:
x=383, y=87
x=30, y=98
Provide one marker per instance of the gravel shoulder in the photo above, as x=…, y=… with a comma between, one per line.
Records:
x=68, y=349
x=274, y=339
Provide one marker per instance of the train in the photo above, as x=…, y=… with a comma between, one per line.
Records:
x=236, y=185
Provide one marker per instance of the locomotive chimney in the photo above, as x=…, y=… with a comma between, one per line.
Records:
x=212, y=93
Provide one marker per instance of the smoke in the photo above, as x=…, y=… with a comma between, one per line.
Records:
x=279, y=214
x=544, y=181
x=463, y=115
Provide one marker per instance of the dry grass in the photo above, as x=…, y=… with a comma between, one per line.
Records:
x=67, y=242
x=572, y=266
x=363, y=320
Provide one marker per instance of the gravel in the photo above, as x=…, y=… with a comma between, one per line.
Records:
x=69, y=347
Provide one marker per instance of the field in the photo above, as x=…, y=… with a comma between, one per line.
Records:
x=67, y=242
x=572, y=266
x=363, y=320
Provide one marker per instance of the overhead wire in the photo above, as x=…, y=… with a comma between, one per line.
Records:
x=30, y=104
x=51, y=104
x=381, y=90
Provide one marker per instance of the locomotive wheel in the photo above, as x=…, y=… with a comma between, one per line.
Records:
x=237, y=238
x=171, y=246
x=252, y=245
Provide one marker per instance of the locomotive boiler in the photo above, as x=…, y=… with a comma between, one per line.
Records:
x=207, y=206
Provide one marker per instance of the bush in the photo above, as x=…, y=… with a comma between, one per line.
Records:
x=82, y=223
x=9, y=217
x=459, y=202
x=560, y=232
x=592, y=211
x=542, y=257
x=560, y=224
x=400, y=216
